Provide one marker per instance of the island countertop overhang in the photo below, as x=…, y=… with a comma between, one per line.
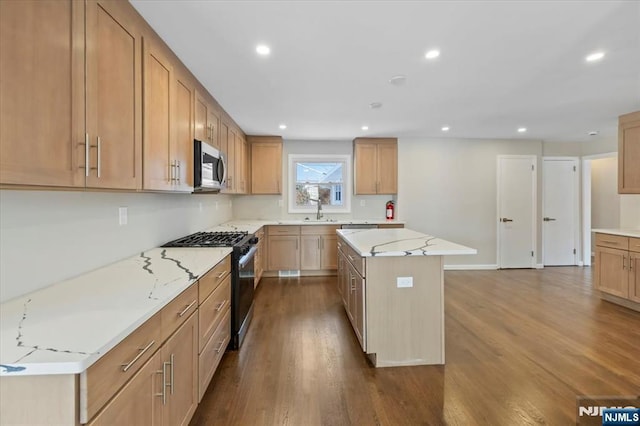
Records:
x=400, y=242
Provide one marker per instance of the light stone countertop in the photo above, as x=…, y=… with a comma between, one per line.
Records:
x=622, y=232
x=400, y=242
x=66, y=327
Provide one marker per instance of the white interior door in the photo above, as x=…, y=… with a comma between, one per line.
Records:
x=559, y=211
x=516, y=211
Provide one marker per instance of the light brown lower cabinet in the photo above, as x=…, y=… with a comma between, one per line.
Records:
x=164, y=391
x=616, y=273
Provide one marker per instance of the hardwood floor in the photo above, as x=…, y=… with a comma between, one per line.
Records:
x=521, y=345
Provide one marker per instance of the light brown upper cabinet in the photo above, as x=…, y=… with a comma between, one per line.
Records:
x=241, y=152
x=629, y=153
x=168, y=123
x=266, y=164
x=62, y=125
x=37, y=146
x=231, y=158
x=375, y=166
x=114, y=107
x=207, y=121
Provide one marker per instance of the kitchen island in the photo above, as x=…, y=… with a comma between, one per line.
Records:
x=392, y=286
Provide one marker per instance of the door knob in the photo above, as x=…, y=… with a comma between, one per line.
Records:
x=549, y=219
x=504, y=219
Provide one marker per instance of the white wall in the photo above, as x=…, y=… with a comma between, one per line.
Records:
x=448, y=188
x=46, y=237
x=275, y=206
x=605, y=200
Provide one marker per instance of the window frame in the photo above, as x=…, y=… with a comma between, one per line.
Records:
x=325, y=158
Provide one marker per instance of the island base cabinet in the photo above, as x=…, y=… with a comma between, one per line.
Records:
x=405, y=326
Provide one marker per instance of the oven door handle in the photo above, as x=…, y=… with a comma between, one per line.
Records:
x=247, y=257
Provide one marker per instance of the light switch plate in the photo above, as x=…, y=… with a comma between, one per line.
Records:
x=404, y=282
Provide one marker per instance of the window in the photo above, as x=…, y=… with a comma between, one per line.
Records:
x=319, y=177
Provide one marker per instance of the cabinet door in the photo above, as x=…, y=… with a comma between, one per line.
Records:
x=266, y=167
x=359, y=309
x=387, y=168
x=213, y=124
x=201, y=130
x=159, y=167
x=231, y=159
x=309, y=252
x=239, y=159
x=329, y=252
x=42, y=93
x=634, y=276
x=114, y=107
x=140, y=400
x=629, y=149
x=365, y=164
x=612, y=275
x=182, y=148
x=284, y=253
x=180, y=357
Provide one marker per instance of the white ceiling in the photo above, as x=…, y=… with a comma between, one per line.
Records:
x=503, y=65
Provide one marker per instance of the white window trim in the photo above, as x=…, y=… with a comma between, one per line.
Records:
x=291, y=184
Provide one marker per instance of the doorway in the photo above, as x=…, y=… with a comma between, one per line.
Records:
x=517, y=201
x=560, y=211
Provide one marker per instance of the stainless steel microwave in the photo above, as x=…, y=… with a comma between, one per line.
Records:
x=209, y=168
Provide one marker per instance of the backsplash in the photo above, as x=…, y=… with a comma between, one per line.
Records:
x=49, y=236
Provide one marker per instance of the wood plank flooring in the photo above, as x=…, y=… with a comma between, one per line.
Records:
x=521, y=345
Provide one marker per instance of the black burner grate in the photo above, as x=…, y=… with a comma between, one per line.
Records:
x=209, y=239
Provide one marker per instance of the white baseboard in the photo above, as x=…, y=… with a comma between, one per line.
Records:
x=539, y=266
x=581, y=263
x=470, y=267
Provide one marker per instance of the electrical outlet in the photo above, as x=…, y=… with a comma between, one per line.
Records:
x=404, y=282
x=363, y=203
x=122, y=216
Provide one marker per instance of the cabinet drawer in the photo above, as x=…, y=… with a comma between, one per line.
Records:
x=634, y=244
x=283, y=230
x=212, y=279
x=103, y=379
x=319, y=229
x=352, y=256
x=612, y=241
x=390, y=225
x=178, y=310
x=212, y=310
x=212, y=353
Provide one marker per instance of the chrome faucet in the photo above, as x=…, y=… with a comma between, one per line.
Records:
x=318, y=214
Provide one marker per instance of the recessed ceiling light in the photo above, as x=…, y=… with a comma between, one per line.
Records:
x=263, y=49
x=522, y=129
x=365, y=127
x=283, y=126
x=445, y=128
x=432, y=54
x=593, y=133
x=596, y=56
x=375, y=105
x=398, y=80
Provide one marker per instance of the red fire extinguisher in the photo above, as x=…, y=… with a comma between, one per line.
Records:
x=390, y=209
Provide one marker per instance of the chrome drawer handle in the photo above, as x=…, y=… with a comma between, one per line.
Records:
x=221, y=274
x=219, y=348
x=163, y=394
x=184, y=311
x=128, y=365
x=219, y=308
x=610, y=242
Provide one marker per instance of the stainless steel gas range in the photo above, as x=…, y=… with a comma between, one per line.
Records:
x=242, y=274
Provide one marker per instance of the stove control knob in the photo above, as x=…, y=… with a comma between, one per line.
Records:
x=253, y=240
